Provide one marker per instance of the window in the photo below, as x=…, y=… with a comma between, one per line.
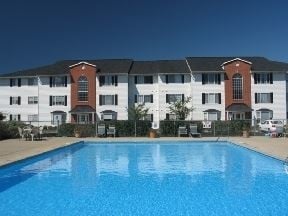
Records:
x=143, y=79
x=264, y=97
x=211, y=78
x=172, y=98
x=108, y=80
x=108, y=116
x=174, y=78
x=15, y=100
x=15, y=117
x=108, y=100
x=82, y=118
x=58, y=101
x=170, y=116
x=13, y=82
x=58, y=118
x=32, y=81
x=237, y=85
x=60, y=81
x=263, y=115
x=211, y=98
x=82, y=89
x=33, y=117
x=211, y=116
x=143, y=99
x=263, y=78
x=148, y=117
x=32, y=100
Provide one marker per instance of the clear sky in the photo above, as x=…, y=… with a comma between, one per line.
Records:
x=35, y=33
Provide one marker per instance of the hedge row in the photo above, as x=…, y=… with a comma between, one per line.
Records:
x=123, y=128
x=9, y=129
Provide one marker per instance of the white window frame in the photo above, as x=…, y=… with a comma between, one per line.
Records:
x=58, y=81
x=57, y=100
x=111, y=100
x=32, y=81
x=237, y=86
x=82, y=92
x=208, y=114
x=32, y=99
x=175, y=97
x=15, y=100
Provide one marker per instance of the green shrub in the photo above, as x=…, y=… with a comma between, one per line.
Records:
x=9, y=129
x=66, y=130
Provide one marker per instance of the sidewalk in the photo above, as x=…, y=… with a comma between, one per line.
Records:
x=14, y=149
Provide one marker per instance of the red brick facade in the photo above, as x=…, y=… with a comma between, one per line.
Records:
x=244, y=69
x=90, y=72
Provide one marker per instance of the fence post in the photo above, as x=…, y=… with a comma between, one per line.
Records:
x=135, y=128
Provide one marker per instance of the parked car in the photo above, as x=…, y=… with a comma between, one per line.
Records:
x=271, y=125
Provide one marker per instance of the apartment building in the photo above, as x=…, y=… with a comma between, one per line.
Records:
x=221, y=88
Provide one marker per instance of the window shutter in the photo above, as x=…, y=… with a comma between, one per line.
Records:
x=203, y=98
x=219, y=98
x=183, y=98
x=151, y=98
x=19, y=100
x=256, y=99
x=166, y=77
x=101, y=80
x=65, y=81
x=135, y=79
x=116, y=99
x=100, y=100
x=116, y=80
x=65, y=102
x=113, y=80
x=10, y=100
x=255, y=78
x=151, y=117
x=167, y=116
x=10, y=117
x=219, y=78
x=167, y=98
x=19, y=82
x=271, y=78
x=11, y=80
x=271, y=97
x=183, y=78
x=135, y=99
x=19, y=117
x=50, y=100
x=51, y=83
x=203, y=79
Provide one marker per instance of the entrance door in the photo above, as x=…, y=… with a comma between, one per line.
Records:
x=83, y=118
x=57, y=119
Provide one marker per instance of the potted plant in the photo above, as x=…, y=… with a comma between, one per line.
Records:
x=246, y=131
x=152, y=133
x=77, y=132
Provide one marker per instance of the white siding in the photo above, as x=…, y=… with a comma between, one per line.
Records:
x=146, y=89
x=26, y=109
x=172, y=88
x=278, y=88
x=121, y=90
x=198, y=88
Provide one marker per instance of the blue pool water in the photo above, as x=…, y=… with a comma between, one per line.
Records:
x=160, y=178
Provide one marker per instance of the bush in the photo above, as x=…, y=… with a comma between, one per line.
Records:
x=66, y=130
x=9, y=129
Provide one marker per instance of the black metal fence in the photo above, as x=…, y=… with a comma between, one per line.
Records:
x=127, y=128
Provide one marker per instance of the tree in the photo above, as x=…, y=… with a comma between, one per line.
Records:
x=2, y=116
x=181, y=108
x=137, y=112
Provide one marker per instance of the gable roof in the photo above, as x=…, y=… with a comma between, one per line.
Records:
x=215, y=63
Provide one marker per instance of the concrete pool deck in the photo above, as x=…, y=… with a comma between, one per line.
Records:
x=14, y=149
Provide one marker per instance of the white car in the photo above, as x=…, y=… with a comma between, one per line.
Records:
x=272, y=125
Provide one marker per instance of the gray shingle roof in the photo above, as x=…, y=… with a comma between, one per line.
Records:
x=214, y=63
x=62, y=67
x=120, y=66
x=161, y=66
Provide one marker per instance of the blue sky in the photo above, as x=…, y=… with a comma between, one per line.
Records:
x=35, y=33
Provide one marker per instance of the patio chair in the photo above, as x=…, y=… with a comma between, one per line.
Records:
x=182, y=130
x=21, y=134
x=101, y=130
x=111, y=130
x=194, y=131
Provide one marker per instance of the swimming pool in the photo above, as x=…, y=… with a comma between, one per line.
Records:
x=159, y=178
